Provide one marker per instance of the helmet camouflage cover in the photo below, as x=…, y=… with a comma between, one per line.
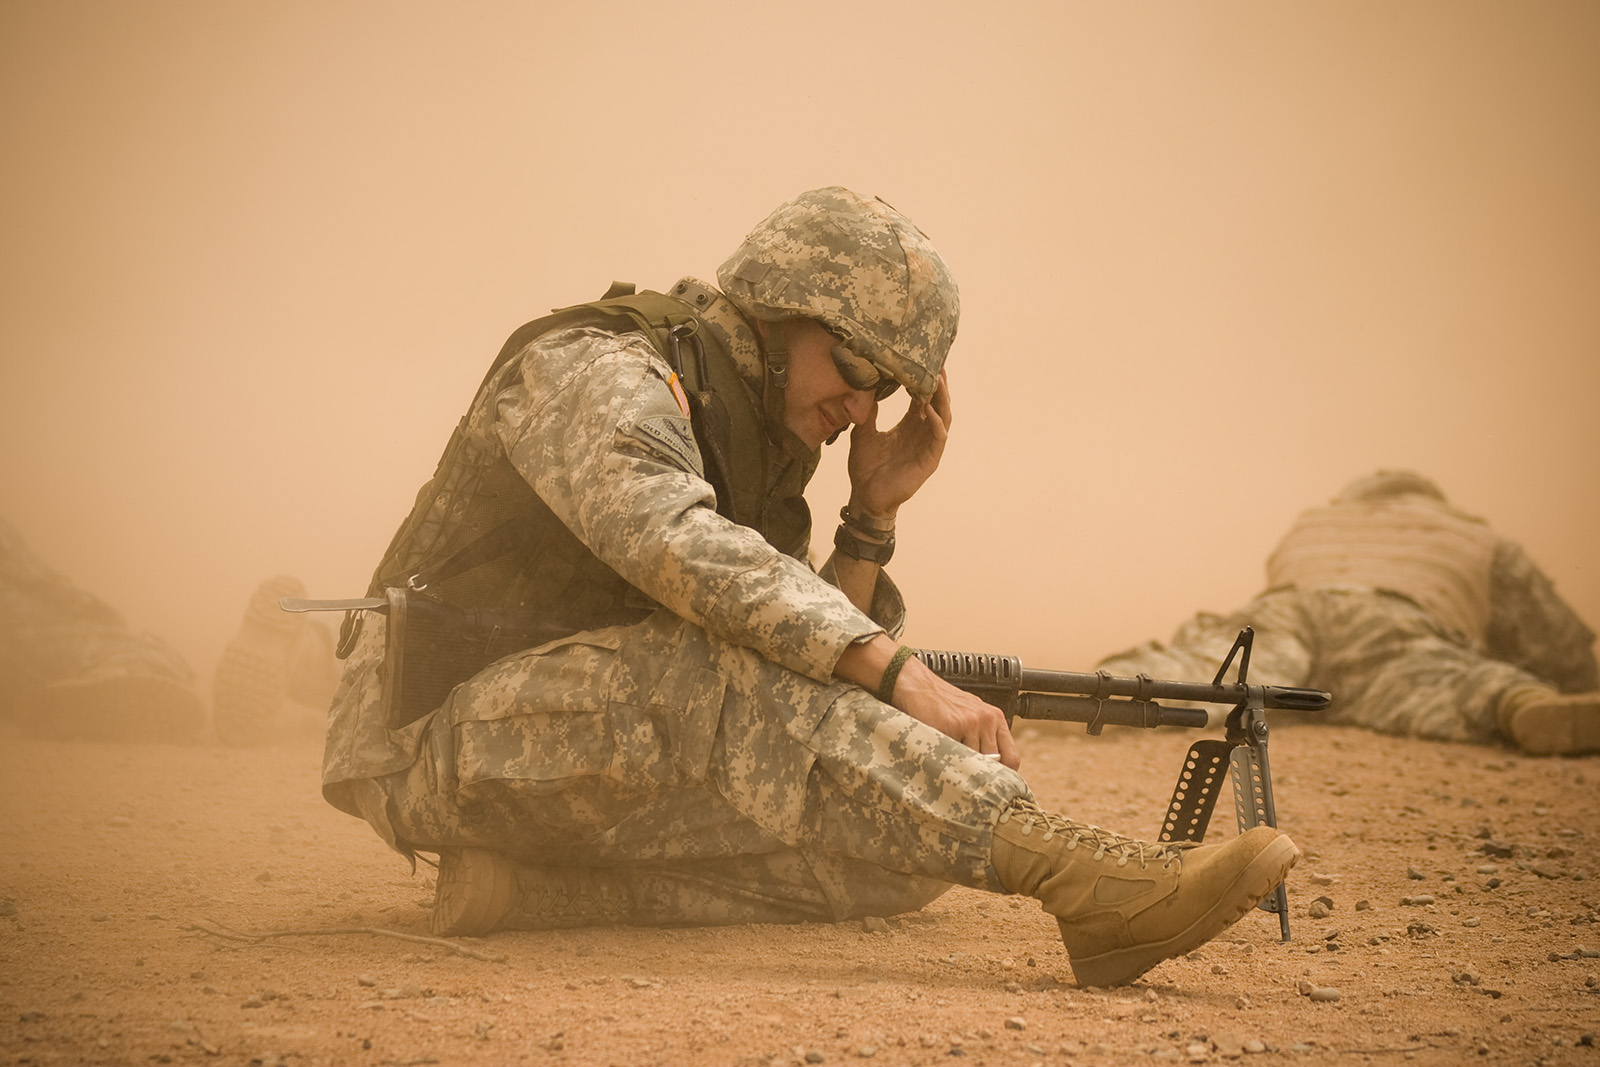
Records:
x=860, y=268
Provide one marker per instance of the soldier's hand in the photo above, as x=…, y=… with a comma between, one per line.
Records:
x=887, y=467
x=954, y=712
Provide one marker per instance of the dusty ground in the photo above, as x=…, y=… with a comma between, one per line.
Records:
x=113, y=855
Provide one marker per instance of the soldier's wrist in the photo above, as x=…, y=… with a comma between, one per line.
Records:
x=868, y=547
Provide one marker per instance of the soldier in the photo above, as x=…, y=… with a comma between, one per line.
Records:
x=727, y=735
x=1418, y=618
x=71, y=668
x=277, y=675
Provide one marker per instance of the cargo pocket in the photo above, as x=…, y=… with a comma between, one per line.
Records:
x=688, y=701
x=537, y=722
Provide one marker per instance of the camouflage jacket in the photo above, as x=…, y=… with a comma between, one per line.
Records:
x=590, y=426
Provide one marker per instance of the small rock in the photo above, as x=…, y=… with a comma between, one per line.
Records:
x=252, y=1001
x=98, y=916
x=1489, y=868
x=1319, y=910
x=1473, y=921
x=366, y=980
x=1363, y=905
x=1324, y=995
x=866, y=1052
x=1016, y=1022
x=875, y=924
x=1255, y=1045
x=1418, y=900
x=8, y=907
x=814, y=1056
x=1304, y=987
x=1321, y=879
x=1548, y=870
x=264, y=877
x=1415, y=875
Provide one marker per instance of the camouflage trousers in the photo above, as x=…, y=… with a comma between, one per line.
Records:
x=717, y=785
x=1389, y=666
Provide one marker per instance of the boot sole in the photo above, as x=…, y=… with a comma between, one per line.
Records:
x=1259, y=878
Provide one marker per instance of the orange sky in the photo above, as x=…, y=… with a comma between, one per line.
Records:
x=1215, y=260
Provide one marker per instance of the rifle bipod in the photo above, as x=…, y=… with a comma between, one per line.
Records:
x=1243, y=752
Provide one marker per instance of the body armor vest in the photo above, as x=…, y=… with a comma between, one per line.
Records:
x=479, y=537
x=1422, y=550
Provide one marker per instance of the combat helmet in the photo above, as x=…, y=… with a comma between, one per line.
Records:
x=1383, y=484
x=860, y=268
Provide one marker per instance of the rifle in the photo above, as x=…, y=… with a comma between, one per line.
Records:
x=1101, y=699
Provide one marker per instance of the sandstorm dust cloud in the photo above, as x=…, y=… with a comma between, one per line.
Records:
x=1214, y=262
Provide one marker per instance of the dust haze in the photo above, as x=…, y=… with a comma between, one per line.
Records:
x=1214, y=261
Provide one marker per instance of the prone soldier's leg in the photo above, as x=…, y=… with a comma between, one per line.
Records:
x=1392, y=669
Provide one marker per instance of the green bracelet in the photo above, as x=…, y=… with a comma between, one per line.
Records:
x=891, y=673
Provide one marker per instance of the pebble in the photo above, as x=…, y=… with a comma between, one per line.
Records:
x=866, y=1052
x=1254, y=1046
x=1418, y=900
x=875, y=924
x=1319, y=910
x=1415, y=875
x=8, y=907
x=1325, y=995
x=1363, y=905
x=1016, y=1022
x=98, y=916
x=814, y=1056
x=1321, y=879
x=264, y=877
x=1473, y=921
x=1489, y=868
x=366, y=980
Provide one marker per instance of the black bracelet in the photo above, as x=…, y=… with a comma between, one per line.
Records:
x=846, y=541
x=891, y=673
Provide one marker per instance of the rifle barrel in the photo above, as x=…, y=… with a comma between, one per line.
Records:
x=1280, y=697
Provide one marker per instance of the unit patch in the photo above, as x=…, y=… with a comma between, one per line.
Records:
x=676, y=435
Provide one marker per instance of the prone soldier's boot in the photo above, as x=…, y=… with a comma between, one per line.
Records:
x=1122, y=905
x=1544, y=722
x=480, y=890
x=250, y=686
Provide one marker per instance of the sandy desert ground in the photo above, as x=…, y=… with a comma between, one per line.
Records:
x=1445, y=913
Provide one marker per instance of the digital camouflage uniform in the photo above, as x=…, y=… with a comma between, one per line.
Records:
x=1417, y=617
x=71, y=667
x=690, y=741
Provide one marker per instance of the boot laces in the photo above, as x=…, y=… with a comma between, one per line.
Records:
x=1104, y=842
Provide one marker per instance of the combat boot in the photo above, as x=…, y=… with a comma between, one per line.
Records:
x=1122, y=905
x=481, y=890
x=1544, y=722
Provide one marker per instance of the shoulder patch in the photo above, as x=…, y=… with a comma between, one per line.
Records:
x=676, y=434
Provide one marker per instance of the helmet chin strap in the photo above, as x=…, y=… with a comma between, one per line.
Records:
x=775, y=364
